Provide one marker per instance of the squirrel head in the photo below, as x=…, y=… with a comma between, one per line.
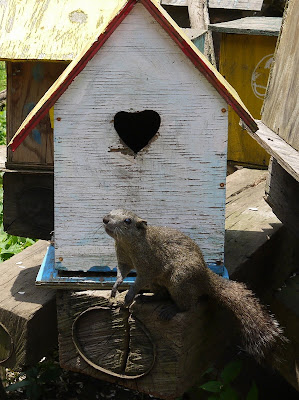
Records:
x=123, y=224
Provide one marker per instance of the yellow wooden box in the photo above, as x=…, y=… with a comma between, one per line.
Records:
x=246, y=54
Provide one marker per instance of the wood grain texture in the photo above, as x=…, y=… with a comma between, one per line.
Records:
x=285, y=154
x=183, y=346
x=27, y=82
x=245, y=61
x=249, y=5
x=282, y=193
x=28, y=313
x=176, y=178
x=281, y=106
x=269, y=26
x=51, y=30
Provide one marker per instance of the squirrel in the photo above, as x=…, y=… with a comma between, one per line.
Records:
x=169, y=263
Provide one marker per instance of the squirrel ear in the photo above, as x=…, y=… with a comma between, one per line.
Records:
x=141, y=224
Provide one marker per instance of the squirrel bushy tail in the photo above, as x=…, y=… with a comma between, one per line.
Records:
x=260, y=332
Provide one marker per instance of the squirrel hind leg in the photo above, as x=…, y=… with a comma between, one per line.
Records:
x=168, y=311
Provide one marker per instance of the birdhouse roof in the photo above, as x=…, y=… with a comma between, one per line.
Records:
x=79, y=63
x=51, y=30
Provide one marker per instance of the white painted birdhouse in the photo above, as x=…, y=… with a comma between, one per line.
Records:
x=140, y=122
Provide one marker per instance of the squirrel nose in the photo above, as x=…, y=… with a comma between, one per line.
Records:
x=106, y=220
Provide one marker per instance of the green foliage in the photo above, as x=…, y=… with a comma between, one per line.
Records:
x=34, y=381
x=222, y=389
x=253, y=392
x=2, y=127
x=2, y=75
x=10, y=245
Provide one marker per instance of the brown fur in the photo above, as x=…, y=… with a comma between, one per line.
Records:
x=167, y=261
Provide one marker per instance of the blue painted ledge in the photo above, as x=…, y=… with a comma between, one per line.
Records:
x=50, y=276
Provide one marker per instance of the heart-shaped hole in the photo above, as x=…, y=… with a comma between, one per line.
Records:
x=136, y=129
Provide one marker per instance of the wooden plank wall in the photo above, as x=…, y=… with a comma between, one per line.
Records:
x=27, y=82
x=281, y=106
x=178, y=180
x=248, y=5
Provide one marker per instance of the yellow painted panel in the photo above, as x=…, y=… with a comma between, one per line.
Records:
x=51, y=29
x=245, y=62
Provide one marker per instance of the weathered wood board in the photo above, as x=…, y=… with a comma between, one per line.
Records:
x=269, y=26
x=282, y=193
x=51, y=30
x=250, y=5
x=27, y=313
x=182, y=347
x=285, y=154
x=28, y=204
x=281, y=106
x=27, y=82
x=179, y=176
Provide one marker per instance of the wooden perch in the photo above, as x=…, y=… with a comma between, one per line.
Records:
x=162, y=358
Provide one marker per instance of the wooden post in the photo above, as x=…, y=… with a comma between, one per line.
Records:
x=27, y=314
x=199, y=19
x=139, y=351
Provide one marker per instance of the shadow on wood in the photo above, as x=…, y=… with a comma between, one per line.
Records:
x=282, y=193
x=28, y=204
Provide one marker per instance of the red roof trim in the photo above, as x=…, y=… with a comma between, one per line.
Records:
x=91, y=52
x=200, y=65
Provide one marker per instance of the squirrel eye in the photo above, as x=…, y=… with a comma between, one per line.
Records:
x=128, y=221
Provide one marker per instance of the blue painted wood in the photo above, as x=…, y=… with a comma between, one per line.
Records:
x=49, y=275
x=200, y=42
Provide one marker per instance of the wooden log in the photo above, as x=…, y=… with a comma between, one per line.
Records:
x=28, y=204
x=282, y=193
x=27, y=314
x=165, y=358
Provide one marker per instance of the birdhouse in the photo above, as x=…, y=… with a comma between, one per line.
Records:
x=140, y=122
x=246, y=54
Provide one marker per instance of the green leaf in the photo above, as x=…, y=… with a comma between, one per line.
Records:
x=208, y=371
x=34, y=391
x=231, y=371
x=17, y=385
x=253, y=393
x=229, y=394
x=51, y=373
x=212, y=386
